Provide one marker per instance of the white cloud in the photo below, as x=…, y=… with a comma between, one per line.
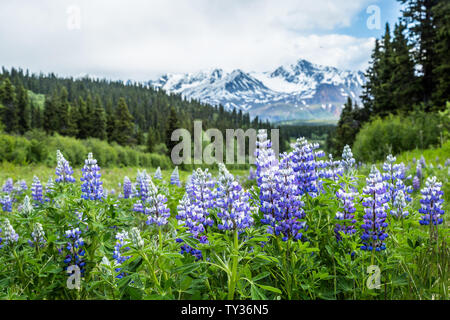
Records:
x=141, y=39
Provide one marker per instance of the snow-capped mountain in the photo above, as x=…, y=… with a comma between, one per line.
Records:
x=301, y=91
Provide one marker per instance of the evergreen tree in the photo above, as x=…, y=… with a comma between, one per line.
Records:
x=74, y=120
x=82, y=122
x=50, y=117
x=419, y=16
x=403, y=83
x=10, y=118
x=63, y=112
x=172, y=125
x=441, y=69
x=123, y=125
x=109, y=119
x=99, y=120
x=23, y=109
x=151, y=139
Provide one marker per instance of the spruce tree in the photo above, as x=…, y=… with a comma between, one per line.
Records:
x=99, y=120
x=50, y=116
x=10, y=118
x=23, y=109
x=123, y=125
x=403, y=83
x=419, y=16
x=441, y=69
x=82, y=123
x=63, y=112
x=172, y=125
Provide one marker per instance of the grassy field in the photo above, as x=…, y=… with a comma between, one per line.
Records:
x=111, y=177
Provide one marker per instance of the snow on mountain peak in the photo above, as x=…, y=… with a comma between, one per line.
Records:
x=273, y=94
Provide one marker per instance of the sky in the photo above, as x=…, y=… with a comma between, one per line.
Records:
x=141, y=40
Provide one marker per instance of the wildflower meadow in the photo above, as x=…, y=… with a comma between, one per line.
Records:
x=300, y=225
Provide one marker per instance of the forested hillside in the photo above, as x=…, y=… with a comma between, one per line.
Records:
x=126, y=113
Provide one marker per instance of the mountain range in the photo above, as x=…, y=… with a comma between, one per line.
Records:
x=302, y=91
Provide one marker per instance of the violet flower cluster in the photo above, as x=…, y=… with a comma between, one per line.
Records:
x=8, y=236
x=346, y=214
x=194, y=209
x=287, y=220
x=64, y=171
x=92, y=187
x=232, y=202
x=75, y=247
x=432, y=202
x=119, y=251
x=394, y=176
x=37, y=236
x=151, y=202
x=175, y=178
x=306, y=166
x=127, y=188
x=374, y=226
x=36, y=190
x=158, y=174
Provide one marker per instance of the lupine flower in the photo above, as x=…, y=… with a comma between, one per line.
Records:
x=8, y=186
x=422, y=161
x=431, y=202
x=37, y=236
x=252, y=174
x=157, y=211
x=346, y=215
x=136, y=239
x=26, y=208
x=175, y=177
x=144, y=186
x=419, y=170
x=75, y=247
x=334, y=169
x=63, y=170
x=374, y=226
x=306, y=166
x=287, y=220
x=399, y=205
x=394, y=176
x=347, y=158
x=193, y=208
x=447, y=162
x=119, y=249
x=36, y=190
x=158, y=174
x=265, y=157
x=91, y=188
x=50, y=186
x=416, y=183
x=20, y=187
x=9, y=234
x=127, y=188
x=151, y=202
x=6, y=203
x=232, y=202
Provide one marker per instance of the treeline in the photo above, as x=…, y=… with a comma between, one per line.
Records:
x=127, y=113
x=409, y=70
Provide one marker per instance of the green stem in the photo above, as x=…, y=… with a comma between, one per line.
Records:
x=151, y=268
x=233, y=280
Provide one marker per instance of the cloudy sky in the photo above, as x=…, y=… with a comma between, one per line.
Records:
x=140, y=40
